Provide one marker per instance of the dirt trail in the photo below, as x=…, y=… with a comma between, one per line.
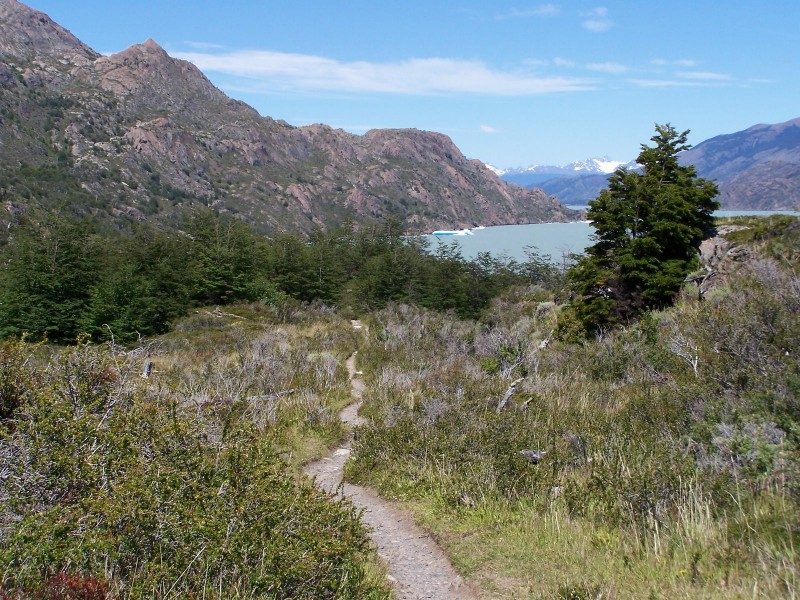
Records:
x=418, y=569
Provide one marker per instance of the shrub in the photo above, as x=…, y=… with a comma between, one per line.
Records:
x=682, y=427
x=110, y=483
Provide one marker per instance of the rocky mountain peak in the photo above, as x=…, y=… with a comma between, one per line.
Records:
x=151, y=44
x=154, y=80
x=414, y=143
x=149, y=134
x=758, y=167
x=28, y=34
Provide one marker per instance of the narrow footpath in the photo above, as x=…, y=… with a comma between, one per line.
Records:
x=418, y=569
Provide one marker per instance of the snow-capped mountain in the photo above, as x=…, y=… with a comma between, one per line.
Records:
x=495, y=170
x=537, y=175
x=580, y=167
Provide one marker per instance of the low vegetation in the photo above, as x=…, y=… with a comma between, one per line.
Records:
x=179, y=484
x=659, y=460
x=608, y=432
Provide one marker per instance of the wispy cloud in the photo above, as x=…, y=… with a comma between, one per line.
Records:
x=685, y=78
x=489, y=129
x=612, y=68
x=663, y=83
x=564, y=62
x=596, y=20
x=669, y=83
x=704, y=76
x=543, y=10
x=280, y=71
x=681, y=62
x=203, y=45
x=536, y=62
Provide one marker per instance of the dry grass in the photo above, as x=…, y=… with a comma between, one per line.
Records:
x=671, y=448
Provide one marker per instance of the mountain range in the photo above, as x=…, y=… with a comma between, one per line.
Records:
x=535, y=175
x=755, y=169
x=139, y=134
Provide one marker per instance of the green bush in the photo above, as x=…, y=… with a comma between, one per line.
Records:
x=120, y=485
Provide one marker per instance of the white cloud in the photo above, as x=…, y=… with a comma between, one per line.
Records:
x=536, y=62
x=704, y=76
x=543, y=10
x=685, y=79
x=563, y=62
x=597, y=25
x=203, y=45
x=489, y=129
x=596, y=20
x=683, y=62
x=608, y=67
x=662, y=83
x=280, y=71
x=667, y=83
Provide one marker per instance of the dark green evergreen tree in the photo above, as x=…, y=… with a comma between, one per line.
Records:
x=649, y=225
x=225, y=259
x=46, y=277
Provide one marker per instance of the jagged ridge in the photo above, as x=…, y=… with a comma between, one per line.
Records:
x=148, y=133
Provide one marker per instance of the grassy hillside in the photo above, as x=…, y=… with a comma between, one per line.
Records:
x=667, y=457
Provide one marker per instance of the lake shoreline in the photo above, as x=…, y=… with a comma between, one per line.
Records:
x=554, y=241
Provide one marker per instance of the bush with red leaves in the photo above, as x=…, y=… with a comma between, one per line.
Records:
x=65, y=586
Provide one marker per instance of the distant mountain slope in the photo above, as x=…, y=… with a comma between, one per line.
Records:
x=139, y=134
x=758, y=168
x=580, y=189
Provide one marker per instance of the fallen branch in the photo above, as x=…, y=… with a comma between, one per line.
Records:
x=218, y=313
x=512, y=389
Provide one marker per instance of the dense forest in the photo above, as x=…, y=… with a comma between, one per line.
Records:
x=63, y=277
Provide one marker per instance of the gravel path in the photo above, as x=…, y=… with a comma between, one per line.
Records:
x=417, y=566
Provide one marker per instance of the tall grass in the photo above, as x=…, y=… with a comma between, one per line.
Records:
x=675, y=440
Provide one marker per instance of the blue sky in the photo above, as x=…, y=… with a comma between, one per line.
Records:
x=513, y=83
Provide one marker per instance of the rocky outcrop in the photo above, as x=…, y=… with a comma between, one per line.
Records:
x=31, y=34
x=152, y=134
x=719, y=257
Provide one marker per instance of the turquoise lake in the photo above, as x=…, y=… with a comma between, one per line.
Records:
x=553, y=239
